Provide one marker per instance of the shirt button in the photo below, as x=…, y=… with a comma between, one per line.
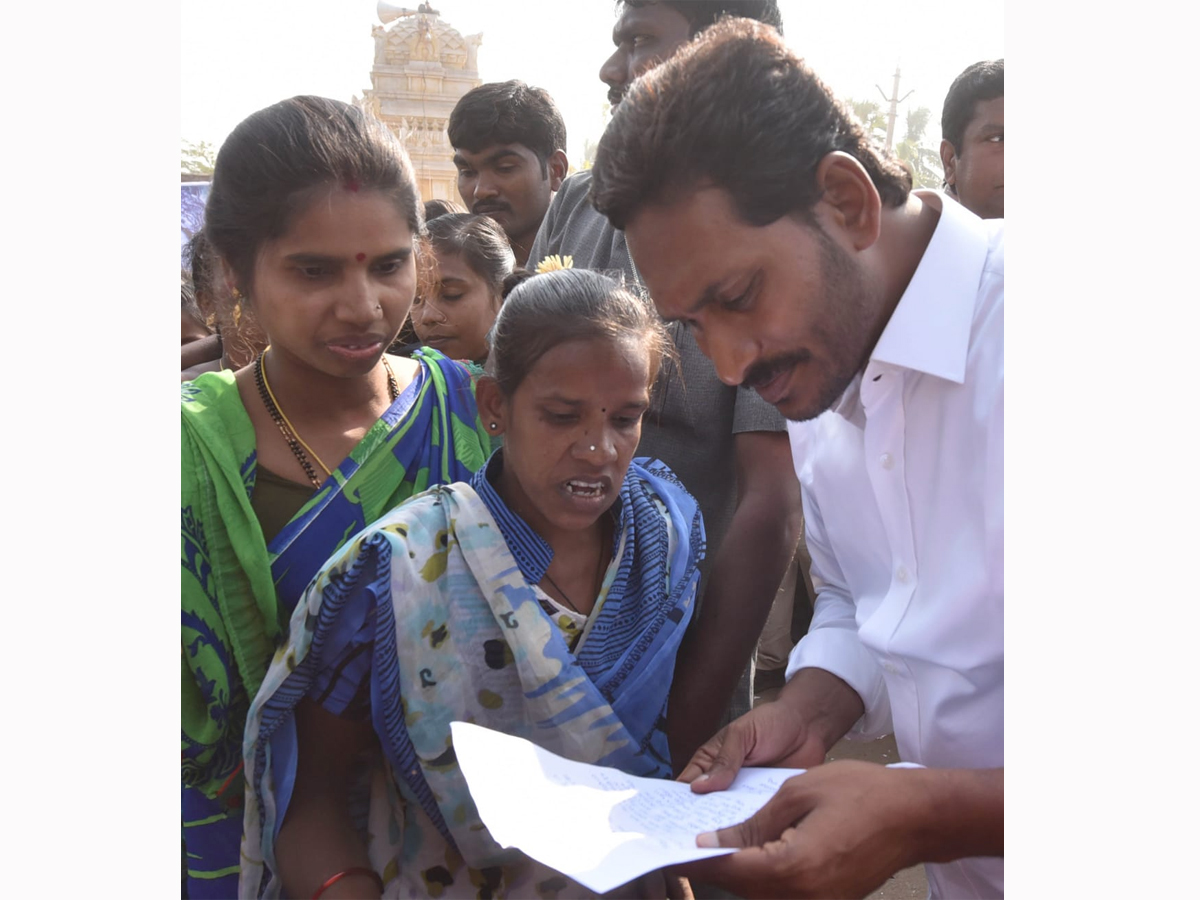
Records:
x=902, y=575
x=886, y=461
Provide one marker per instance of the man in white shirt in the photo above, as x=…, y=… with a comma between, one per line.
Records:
x=872, y=317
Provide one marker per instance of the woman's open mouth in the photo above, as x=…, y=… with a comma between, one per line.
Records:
x=585, y=489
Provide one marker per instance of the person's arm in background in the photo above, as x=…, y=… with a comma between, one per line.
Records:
x=747, y=570
x=204, y=350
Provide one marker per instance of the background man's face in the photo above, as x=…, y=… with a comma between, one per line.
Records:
x=505, y=183
x=644, y=37
x=977, y=173
x=781, y=308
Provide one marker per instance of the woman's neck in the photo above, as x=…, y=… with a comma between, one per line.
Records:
x=307, y=393
x=568, y=546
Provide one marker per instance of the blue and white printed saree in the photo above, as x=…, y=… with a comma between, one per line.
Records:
x=455, y=631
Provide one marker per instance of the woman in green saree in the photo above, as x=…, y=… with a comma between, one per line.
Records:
x=315, y=216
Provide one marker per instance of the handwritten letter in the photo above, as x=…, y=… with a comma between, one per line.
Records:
x=622, y=826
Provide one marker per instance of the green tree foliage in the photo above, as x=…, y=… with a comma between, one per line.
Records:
x=922, y=160
x=197, y=158
x=872, y=117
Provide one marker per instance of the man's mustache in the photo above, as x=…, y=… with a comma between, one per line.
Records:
x=766, y=369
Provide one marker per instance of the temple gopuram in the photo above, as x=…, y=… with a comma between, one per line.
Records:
x=422, y=67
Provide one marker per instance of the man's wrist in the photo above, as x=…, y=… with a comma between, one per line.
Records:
x=957, y=813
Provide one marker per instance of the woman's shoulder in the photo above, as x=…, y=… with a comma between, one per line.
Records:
x=209, y=390
x=658, y=475
x=457, y=369
x=405, y=369
x=213, y=415
x=419, y=525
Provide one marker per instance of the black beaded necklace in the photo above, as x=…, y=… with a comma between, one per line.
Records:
x=600, y=569
x=294, y=442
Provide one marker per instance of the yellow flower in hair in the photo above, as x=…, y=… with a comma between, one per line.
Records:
x=553, y=263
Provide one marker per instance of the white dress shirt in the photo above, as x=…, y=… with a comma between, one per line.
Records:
x=903, y=487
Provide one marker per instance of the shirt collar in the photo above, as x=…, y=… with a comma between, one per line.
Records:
x=930, y=329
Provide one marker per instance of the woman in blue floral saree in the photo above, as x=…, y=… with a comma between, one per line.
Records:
x=546, y=597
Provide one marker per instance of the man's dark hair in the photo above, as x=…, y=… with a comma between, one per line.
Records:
x=738, y=110
x=508, y=112
x=702, y=13
x=981, y=81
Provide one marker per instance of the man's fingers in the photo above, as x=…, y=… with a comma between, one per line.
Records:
x=785, y=809
x=696, y=766
x=702, y=760
x=748, y=872
x=727, y=758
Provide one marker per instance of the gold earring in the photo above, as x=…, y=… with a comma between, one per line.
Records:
x=237, y=307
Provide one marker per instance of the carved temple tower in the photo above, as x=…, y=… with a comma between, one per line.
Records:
x=422, y=67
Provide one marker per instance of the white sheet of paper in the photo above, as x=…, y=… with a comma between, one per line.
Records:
x=596, y=825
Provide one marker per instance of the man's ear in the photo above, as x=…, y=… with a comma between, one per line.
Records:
x=557, y=165
x=493, y=409
x=849, y=199
x=948, y=161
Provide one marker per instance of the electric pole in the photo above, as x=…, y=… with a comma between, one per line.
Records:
x=893, y=101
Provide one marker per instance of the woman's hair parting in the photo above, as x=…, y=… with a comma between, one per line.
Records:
x=542, y=311
x=269, y=168
x=481, y=243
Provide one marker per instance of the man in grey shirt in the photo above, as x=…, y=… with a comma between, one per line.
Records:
x=728, y=447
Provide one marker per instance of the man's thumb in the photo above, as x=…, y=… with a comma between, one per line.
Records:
x=778, y=814
x=733, y=836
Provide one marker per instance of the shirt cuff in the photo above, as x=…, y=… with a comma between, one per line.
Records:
x=840, y=652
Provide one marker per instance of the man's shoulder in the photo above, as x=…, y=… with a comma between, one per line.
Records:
x=574, y=228
x=573, y=197
x=576, y=186
x=573, y=204
x=747, y=410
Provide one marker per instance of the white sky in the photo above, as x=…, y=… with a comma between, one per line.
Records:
x=238, y=56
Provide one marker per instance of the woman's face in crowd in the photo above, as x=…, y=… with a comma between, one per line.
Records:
x=570, y=430
x=460, y=310
x=334, y=290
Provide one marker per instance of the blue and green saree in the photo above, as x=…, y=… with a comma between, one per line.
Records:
x=238, y=593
